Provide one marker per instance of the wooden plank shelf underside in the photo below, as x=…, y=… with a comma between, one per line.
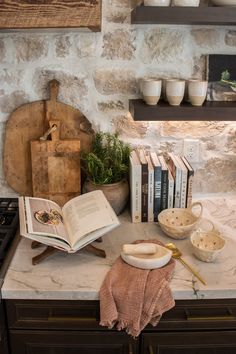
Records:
x=202, y=15
x=34, y=14
x=214, y=111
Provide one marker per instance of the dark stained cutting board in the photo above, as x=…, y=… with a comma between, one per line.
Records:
x=29, y=122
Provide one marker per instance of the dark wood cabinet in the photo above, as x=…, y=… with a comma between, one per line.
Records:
x=189, y=342
x=71, y=342
x=3, y=330
x=58, y=327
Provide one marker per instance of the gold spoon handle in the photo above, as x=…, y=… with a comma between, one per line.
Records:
x=192, y=271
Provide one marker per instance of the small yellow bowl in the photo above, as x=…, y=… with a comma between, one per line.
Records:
x=207, y=245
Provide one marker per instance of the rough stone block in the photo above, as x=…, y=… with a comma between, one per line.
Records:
x=118, y=45
x=63, y=45
x=205, y=37
x=30, y=48
x=162, y=45
x=108, y=82
x=126, y=126
x=8, y=103
x=230, y=38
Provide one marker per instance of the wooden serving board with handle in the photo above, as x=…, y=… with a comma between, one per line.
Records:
x=55, y=166
x=29, y=122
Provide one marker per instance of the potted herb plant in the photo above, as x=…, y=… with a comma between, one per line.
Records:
x=106, y=167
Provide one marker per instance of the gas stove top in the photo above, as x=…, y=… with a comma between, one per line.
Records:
x=9, y=221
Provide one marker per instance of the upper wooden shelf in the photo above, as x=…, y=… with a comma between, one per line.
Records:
x=44, y=14
x=202, y=15
x=217, y=111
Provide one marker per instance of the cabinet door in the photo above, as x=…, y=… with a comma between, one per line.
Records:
x=3, y=343
x=71, y=342
x=189, y=342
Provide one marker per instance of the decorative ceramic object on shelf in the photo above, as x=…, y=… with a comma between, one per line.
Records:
x=186, y=3
x=197, y=91
x=148, y=261
x=175, y=91
x=106, y=167
x=207, y=245
x=157, y=2
x=178, y=223
x=151, y=90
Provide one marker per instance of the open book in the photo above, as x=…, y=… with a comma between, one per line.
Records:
x=79, y=222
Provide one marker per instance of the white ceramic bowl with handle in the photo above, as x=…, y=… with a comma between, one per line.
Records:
x=207, y=246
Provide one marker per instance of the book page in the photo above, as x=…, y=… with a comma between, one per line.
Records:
x=87, y=213
x=44, y=217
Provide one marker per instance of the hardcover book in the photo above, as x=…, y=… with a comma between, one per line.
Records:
x=157, y=185
x=164, y=183
x=190, y=181
x=176, y=173
x=135, y=187
x=184, y=181
x=144, y=198
x=79, y=222
x=171, y=185
x=150, y=189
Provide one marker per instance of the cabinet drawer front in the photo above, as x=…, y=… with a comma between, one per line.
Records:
x=187, y=315
x=53, y=314
x=71, y=342
x=200, y=314
x=207, y=342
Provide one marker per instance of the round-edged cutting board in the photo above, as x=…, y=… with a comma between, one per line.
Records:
x=30, y=122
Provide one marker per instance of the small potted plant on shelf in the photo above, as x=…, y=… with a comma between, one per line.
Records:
x=106, y=167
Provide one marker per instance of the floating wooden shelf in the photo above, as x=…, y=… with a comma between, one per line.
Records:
x=34, y=14
x=202, y=15
x=224, y=111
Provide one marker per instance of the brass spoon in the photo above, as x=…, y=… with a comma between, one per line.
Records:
x=177, y=255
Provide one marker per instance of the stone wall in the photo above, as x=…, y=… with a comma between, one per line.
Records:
x=99, y=72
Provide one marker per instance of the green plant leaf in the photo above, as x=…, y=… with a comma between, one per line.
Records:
x=108, y=161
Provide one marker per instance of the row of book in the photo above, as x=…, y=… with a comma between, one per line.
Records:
x=158, y=183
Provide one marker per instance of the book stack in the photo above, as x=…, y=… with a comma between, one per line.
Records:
x=158, y=183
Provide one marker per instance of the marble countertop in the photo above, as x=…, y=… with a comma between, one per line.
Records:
x=79, y=276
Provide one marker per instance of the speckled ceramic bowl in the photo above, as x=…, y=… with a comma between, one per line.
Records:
x=207, y=245
x=178, y=223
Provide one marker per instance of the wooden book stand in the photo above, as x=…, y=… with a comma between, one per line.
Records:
x=51, y=250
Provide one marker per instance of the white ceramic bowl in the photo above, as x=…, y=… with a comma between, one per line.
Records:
x=207, y=245
x=224, y=2
x=178, y=223
x=149, y=261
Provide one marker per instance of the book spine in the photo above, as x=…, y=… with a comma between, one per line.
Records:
x=144, y=198
x=135, y=191
x=150, y=195
x=177, y=187
x=164, y=190
x=157, y=192
x=183, y=189
x=190, y=188
x=171, y=193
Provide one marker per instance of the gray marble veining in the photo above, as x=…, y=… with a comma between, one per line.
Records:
x=79, y=276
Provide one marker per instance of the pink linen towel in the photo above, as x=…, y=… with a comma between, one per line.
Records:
x=131, y=298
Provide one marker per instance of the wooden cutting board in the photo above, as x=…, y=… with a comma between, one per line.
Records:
x=29, y=122
x=56, y=167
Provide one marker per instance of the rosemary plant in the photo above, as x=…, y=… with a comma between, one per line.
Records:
x=108, y=161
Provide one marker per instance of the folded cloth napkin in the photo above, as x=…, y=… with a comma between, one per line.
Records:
x=131, y=298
